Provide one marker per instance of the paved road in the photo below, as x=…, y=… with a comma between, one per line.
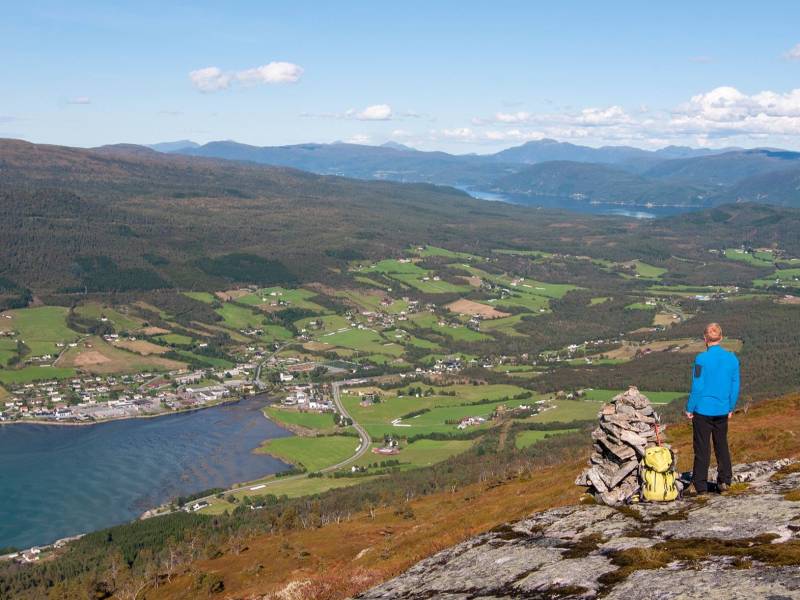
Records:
x=364, y=444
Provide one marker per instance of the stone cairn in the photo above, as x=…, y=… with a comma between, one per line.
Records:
x=627, y=427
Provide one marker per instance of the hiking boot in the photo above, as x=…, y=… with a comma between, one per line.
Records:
x=723, y=487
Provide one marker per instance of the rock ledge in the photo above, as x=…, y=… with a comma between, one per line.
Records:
x=744, y=545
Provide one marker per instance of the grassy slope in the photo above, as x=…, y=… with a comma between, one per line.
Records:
x=352, y=556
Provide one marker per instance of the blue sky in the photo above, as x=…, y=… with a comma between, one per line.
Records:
x=455, y=76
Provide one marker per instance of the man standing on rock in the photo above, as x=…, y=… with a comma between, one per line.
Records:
x=715, y=389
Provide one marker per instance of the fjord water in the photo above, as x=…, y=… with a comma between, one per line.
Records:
x=634, y=211
x=57, y=481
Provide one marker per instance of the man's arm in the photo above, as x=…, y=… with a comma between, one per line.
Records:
x=734, y=385
x=697, y=387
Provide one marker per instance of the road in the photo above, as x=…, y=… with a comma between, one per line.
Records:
x=363, y=447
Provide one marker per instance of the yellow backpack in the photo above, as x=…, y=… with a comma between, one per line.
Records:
x=657, y=475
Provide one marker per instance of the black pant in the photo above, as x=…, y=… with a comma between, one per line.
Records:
x=707, y=429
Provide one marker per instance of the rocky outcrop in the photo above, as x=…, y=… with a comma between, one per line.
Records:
x=745, y=544
x=627, y=426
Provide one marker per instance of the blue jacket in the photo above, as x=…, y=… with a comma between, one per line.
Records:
x=715, y=383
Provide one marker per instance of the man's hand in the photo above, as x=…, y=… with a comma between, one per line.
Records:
x=689, y=415
x=730, y=414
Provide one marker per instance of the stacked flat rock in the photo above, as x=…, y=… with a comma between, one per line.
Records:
x=627, y=427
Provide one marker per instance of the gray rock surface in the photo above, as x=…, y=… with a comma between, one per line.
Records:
x=566, y=552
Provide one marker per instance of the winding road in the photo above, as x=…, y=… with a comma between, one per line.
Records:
x=363, y=446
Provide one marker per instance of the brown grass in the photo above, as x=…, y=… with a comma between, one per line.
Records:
x=229, y=295
x=153, y=330
x=142, y=347
x=98, y=357
x=337, y=561
x=468, y=307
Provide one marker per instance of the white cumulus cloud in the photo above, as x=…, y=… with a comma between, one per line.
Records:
x=376, y=112
x=213, y=79
x=794, y=53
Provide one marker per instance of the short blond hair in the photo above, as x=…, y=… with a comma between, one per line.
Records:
x=713, y=332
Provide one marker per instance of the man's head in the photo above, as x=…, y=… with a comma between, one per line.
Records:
x=713, y=334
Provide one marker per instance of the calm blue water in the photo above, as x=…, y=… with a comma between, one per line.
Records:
x=633, y=211
x=57, y=481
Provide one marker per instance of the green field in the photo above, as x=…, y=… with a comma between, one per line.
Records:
x=526, y=438
x=757, y=259
x=120, y=320
x=428, y=251
x=648, y=271
x=34, y=373
x=655, y=397
x=414, y=276
x=640, y=306
x=504, y=325
x=324, y=324
x=296, y=298
x=790, y=277
x=8, y=349
x=176, y=339
x=377, y=418
x=309, y=420
x=428, y=320
x=314, y=453
x=40, y=328
x=239, y=317
x=362, y=340
x=421, y=453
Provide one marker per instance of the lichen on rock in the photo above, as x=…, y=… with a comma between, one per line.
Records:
x=730, y=546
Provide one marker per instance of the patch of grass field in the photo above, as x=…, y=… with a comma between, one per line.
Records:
x=362, y=340
x=96, y=356
x=206, y=297
x=421, y=453
x=8, y=350
x=533, y=253
x=309, y=420
x=275, y=333
x=527, y=438
x=569, y=410
x=504, y=325
x=599, y=300
x=238, y=317
x=415, y=276
x=377, y=418
x=430, y=321
x=119, y=319
x=640, y=306
x=789, y=277
x=368, y=281
x=293, y=488
x=655, y=397
x=313, y=453
x=758, y=259
x=648, y=271
x=34, y=373
x=41, y=328
x=294, y=297
x=324, y=324
x=362, y=299
x=175, y=338
x=436, y=251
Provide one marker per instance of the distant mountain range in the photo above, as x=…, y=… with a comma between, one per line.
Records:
x=675, y=175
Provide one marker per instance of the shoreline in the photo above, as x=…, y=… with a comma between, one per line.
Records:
x=153, y=511
x=112, y=420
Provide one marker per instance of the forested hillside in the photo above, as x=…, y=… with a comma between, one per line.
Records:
x=126, y=217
